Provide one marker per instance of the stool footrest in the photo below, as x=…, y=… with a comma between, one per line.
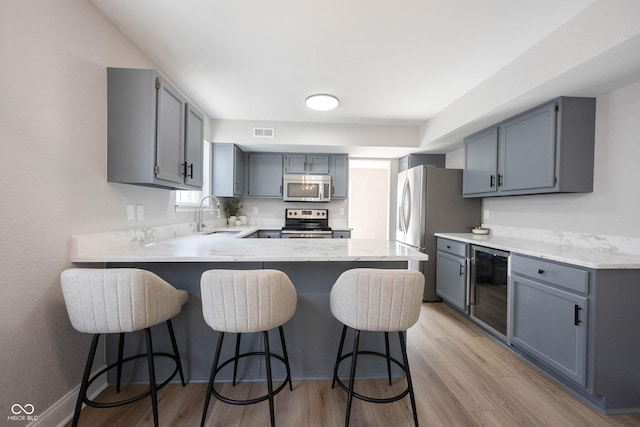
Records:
x=94, y=404
x=395, y=398
x=257, y=399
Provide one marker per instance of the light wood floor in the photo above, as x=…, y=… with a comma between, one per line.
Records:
x=461, y=377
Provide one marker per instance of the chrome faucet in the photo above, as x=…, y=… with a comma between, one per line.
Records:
x=217, y=208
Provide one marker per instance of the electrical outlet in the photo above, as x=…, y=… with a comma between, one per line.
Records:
x=341, y=211
x=486, y=214
x=255, y=209
x=140, y=212
x=131, y=215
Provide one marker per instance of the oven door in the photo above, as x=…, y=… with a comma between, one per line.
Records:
x=488, y=289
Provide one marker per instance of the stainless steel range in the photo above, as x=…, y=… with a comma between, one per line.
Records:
x=306, y=223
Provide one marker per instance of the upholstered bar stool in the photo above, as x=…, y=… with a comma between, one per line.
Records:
x=368, y=299
x=117, y=301
x=244, y=301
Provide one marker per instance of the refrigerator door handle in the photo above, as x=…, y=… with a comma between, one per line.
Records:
x=406, y=204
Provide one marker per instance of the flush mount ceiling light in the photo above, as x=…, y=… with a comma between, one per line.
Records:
x=322, y=102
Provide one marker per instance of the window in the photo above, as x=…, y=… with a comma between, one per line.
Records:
x=187, y=201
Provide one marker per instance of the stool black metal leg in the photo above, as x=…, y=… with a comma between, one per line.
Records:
x=176, y=353
x=405, y=359
x=235, y=362
x=286, y=357
x=267, y=356
x=152, y=377
x=84, y=385
x=386, y=345
x=352, y=376
x=119, y=368
x=335, y=367
x=212, y=377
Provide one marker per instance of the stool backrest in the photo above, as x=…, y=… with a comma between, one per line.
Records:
x=247, y=300
x=371, y=299
x=118, y=300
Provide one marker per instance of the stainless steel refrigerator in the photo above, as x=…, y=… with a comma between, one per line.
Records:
x=430, y=201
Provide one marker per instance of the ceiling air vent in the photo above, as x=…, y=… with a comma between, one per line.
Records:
x=263, y=132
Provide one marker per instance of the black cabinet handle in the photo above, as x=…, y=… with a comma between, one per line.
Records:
x=576, y=315
x=184, y=169
x=462, y=269
x=191, y=171
x=448, y=247
x=540, y=271
x=500, y=180
x=492, y=181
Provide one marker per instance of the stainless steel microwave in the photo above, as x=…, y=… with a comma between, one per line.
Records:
x=306, y=188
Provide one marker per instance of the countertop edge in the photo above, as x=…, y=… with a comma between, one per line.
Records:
x=584, y=257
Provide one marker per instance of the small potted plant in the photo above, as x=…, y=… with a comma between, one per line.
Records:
x=232, y=209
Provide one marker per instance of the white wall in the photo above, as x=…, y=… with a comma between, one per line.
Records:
x=53, y=179
x=612, y=208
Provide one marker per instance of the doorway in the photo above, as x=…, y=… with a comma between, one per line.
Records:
x=369, y=185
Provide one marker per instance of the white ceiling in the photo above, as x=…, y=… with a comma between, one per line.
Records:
x=401, y=62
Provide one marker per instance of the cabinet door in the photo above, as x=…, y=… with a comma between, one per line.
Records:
x=238, y=171
x=227, y=174
x=481, y=163
x=528, y=151
x=451, y=279
x=194, y=138
x=170, y=133
x=265, y=175
x=551, y=325
x=318, y=164
x=339, y=176
x=295, y=164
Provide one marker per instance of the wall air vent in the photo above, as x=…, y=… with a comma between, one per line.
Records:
x=263, y=132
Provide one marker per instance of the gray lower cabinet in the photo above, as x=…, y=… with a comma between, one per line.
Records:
x=550, y=312
x=341, y=234
x=264, y=175
x=548, y=149
x=154, y=138
x=269, y=234
x=227, y=177
x=451, y=272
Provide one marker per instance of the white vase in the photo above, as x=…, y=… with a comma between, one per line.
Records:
x=232, y=220
x=243, y=219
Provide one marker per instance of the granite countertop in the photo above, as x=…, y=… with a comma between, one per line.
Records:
x=181, y=244
x=571, y=252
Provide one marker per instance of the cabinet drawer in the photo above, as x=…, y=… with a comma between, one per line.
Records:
x=564, y=276
x=452, y=247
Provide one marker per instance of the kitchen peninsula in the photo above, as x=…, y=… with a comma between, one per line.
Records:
x=180, y=256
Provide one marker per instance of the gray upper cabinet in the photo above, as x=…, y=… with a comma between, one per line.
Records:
x=548, y=149
x=412, y=160
x=481, y=163
x=264, y=175
x=227, y=177
x=194, y=139
x=339, y=171
x=316, y=164
x=148, y=121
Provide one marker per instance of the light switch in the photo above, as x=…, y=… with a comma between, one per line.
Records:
x=255, y=209
x=140, y=212
x=131, y=212
x=341, y=211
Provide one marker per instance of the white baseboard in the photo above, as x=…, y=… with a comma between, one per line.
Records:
x=61, y=412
